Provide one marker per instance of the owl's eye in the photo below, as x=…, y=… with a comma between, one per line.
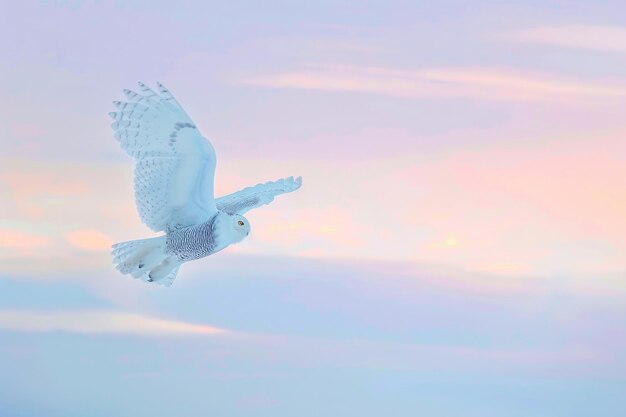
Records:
x=240, y=223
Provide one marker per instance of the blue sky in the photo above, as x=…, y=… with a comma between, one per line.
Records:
x=456, y=248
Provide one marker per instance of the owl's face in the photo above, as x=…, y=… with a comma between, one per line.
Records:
x=240, y=225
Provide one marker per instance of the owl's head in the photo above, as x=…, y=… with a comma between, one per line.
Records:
x=240, y=225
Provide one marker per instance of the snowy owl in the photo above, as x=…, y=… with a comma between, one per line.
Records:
x=174, y=188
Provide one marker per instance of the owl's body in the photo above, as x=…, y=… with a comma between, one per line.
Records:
x=174, y=189
x=195, y=242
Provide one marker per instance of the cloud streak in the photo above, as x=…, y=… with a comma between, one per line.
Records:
x=589, y=37
x=22, y=243
x=440, y=83
x=89, y=240
x=97, y=322
x=367, y=354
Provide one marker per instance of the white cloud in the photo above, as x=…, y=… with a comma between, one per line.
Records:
x=97, y=322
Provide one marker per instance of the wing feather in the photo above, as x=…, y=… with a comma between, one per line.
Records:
x=175, y=165
x=256, y=196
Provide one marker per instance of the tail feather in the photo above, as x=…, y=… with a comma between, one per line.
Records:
x=147, y=260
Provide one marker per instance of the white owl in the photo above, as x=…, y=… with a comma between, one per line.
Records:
x=174, y=188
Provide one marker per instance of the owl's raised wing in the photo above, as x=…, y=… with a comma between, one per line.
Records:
x=175, y=164
x=256, y=196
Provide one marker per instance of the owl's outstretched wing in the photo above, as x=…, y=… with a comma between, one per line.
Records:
x=175, y=164
x=253, y=197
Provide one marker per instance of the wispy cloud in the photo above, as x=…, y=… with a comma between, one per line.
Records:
x=597, y=38
x=21, y=243
x=97, y=322
x=89, y=240
x=469, y=82
x=24, y=182
x=29, y=189
x=581, y=360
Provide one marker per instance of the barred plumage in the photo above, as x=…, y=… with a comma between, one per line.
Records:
x=193, y=242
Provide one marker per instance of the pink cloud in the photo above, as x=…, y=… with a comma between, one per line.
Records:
x=28, y=184
x=29, y=189
x=470, y=82
x=21, y=243
x=89, y=240
x=547, y=206
x=597, y=38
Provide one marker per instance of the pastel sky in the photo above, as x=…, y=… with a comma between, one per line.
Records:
x=457, y=248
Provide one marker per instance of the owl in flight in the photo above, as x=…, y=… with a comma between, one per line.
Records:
x=174, y=188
